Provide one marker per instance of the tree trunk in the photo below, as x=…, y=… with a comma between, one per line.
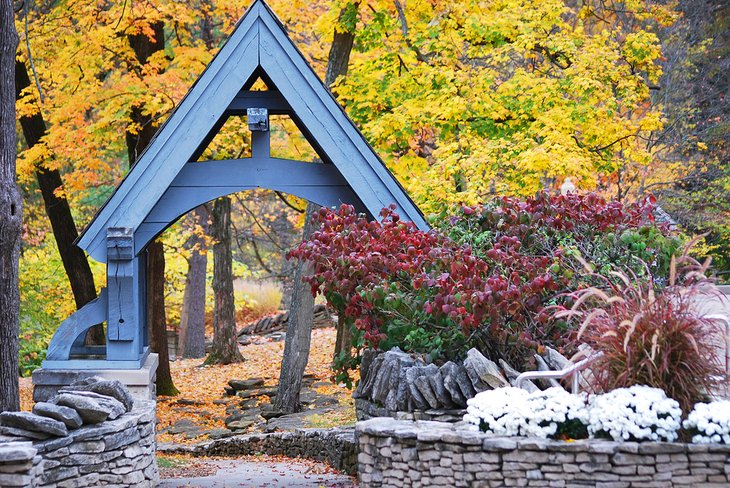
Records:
x=298, y=333
x=157, y=319
x=10, y=216
x=337, y=63
x=225, y=341
x=343, y=343
x=59, y=212
x=191, y=338
x=301, y=311
x=137, y=141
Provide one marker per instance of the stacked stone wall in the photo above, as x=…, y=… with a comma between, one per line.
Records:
x=397, y=453
x=118, y=452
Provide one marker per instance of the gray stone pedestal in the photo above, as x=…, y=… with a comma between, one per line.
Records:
x=141, y=382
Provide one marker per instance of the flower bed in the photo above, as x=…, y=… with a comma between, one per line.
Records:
x=638, y=413
x=396, y=453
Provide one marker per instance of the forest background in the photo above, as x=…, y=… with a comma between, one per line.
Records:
x=466, y=101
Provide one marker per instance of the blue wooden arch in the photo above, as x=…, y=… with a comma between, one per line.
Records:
x=168, y=179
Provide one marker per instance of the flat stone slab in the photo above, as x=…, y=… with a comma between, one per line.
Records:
x=33, y=422
x=419, y=400
x=67, y=415
x=25, y=434
x=247, y=384
x=240, y=424
x=423, y=384
x=437, y=385
x=91, y=411
x=448, y=373
x=115, y=406
x=483, y=371
x=16, y=452
x=106, y=387
x=244, y=394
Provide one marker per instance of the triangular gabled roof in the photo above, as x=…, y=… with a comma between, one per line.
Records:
x=258, y=44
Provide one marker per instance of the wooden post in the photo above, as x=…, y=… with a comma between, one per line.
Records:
x=126, y=317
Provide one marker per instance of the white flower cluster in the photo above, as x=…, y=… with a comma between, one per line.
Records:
x=551, y=409
x=710, y=422
x=636, y=413
x=500, y=412
x=514, y=412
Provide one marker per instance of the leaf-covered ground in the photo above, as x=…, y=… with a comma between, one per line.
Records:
x=204, y=385
x=202, y=400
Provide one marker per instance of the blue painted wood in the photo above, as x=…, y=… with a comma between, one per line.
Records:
x=141, y=290
x=270, y=99
x=91, y=364
x=260, y=144
x=328, y=124
x=258, y=46
x=120, y=279
x=126, y=311
x=178, y=201
x=75, y=326
x=179, y=137
x=264, y=172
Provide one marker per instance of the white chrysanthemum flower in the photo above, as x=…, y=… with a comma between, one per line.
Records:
x=514, y=412
x=636, y=413
x=709, y=422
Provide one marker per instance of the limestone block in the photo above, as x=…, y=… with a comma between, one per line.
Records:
x=116, y=407
x=33, y=422
x=107, y=387
x=67, y=415
x=483, y=373
x=90, y=410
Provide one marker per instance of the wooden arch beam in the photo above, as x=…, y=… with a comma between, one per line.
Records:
x=201, y=182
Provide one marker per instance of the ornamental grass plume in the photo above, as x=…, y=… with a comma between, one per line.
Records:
x=652, y=336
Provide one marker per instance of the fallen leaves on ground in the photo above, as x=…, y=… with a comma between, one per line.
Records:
x=176, y=466
x=26, y=393
x=201, y=385
x=204, y=384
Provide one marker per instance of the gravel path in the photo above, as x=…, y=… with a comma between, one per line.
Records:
x=265, y=474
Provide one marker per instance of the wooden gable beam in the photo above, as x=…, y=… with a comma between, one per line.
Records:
x=202, y=182
x=337, y=136
x=270, y=99
x=180, y=136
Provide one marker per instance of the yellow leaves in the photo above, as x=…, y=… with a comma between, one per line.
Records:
x=641, y=50
x=512, y=91
x=28, y=159
x=26, y=105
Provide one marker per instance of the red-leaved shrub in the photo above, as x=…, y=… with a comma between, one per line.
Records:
x=482, y=278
